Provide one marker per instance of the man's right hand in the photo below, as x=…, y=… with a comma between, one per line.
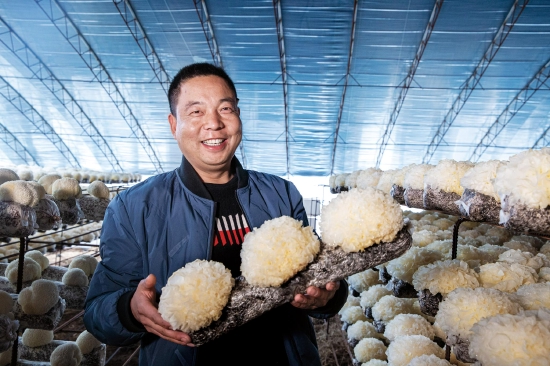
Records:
x=144, y=308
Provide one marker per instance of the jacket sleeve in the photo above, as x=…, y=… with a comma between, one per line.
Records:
x=297, y=204
x=341, y=295
x=116, y=276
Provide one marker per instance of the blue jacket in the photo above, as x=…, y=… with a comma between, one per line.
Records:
x=165, y=222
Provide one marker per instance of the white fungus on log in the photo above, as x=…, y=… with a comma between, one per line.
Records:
x=360, y=218
x=98, y=189
x=444, y=276
x=75, y=277
x=428, y=360
x=446, y=175
x=352, y=315
x=87, y=263
x=31, y=270
x=39, y=258
x=87, y=342
x=362, y=329
x=7, y=175
x=525, y=179
x=408, y=324
x=67, y=354
x=40, y=297
x=368, y=349
x=389, y=306
x=464, y=307
x=47, y=180
x=36, y=337
x=372, y=295
x=506, y=277
x=509, y=340
x=276, y=251
x=66, y=188
x=404, y=349
x=534, y=296
x=363, y=280
x=22, y=192
x=375, y=362
x=404, y=267
x=195, y=295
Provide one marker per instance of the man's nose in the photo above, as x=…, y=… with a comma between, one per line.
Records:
x=213, y=120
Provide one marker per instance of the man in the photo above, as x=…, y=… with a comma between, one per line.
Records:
x=157, y=226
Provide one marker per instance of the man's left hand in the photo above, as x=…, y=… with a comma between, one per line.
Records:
x=315, y=297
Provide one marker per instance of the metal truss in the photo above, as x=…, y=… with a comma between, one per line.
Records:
x=41, y=72
x=204, y=17
x=37, y=120
x=473, y=80
x=544, y=140
x=13, y=143
x=408, y=80
x=346, y=79
x=70, y=32
x=282, y=57
x=536, y=83
x=134, y=26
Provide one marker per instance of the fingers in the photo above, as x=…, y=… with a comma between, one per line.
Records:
x=166, y=332
x=144, y=308
x=315, y=297
x=333, y=286
x=149, y=282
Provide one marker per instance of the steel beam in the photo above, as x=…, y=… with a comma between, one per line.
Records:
x=41, y=72
x=70, y=32
x=408, y=80
x=536, y=83
x=543, y=140
x=32, y=115
x=134, y=26
x=204, y=17
x=344, y=89
x=282, y=58
x=475, y=77
x=13, y=143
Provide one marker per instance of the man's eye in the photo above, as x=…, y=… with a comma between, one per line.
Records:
x=195, y=112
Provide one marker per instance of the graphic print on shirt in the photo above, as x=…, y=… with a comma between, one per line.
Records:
x=231, y=230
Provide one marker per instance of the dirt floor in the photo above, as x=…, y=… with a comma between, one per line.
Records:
x=331, y=339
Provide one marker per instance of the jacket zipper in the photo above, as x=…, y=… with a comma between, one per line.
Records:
x=248, y=222
x=214, y=228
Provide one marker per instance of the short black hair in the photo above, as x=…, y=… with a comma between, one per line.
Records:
x=192, y=71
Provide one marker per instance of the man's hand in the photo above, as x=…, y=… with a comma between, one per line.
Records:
x=315, y=297
x=144, y=308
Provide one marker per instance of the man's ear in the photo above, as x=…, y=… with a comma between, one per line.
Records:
x=173, y=123
x=238, y=111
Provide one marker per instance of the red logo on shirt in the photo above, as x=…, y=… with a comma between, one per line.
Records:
x=231, y=230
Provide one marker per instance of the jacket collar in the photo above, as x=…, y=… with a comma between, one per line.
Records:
x=193, y=182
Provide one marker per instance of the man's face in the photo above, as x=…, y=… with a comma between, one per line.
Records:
x=207, y=126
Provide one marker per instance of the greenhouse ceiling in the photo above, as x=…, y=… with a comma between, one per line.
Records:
x=324, y=86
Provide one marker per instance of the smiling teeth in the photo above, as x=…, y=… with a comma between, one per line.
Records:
x=213, y=142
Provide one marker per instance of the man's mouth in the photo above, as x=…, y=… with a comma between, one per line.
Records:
x=213, y=142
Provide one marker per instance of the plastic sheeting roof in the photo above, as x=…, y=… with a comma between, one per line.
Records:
x=77, y=90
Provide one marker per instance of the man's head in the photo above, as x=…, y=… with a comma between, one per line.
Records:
x=191, y=71
x=205, y=121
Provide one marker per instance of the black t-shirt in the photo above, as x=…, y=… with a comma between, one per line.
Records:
x=231, y=225
x=260, y=336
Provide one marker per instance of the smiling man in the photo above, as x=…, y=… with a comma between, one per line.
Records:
x=202, y=210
